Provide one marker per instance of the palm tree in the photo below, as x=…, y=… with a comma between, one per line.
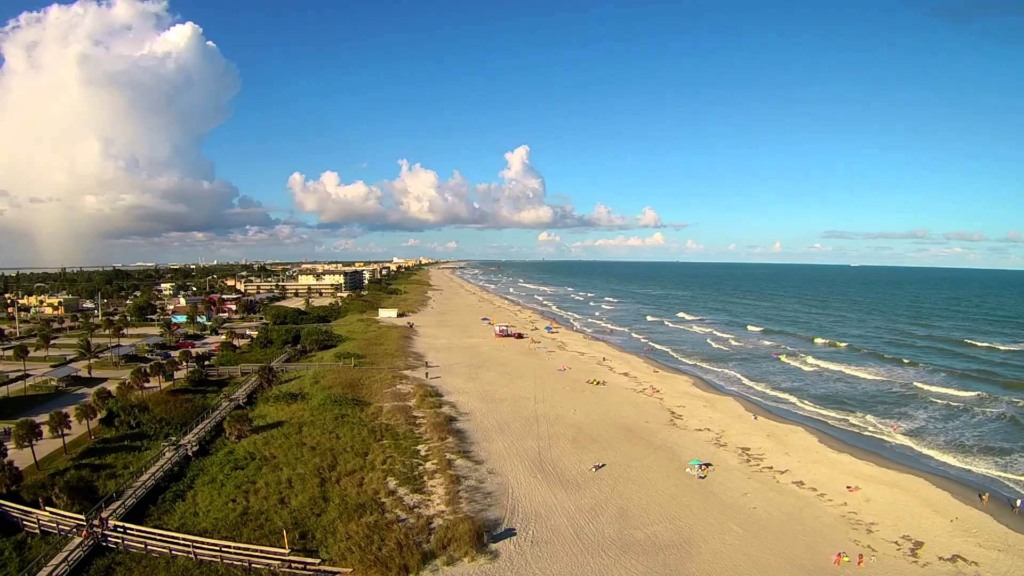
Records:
x=101, y=397
x=85, y=350
x=185, y=356
x=25, y=435
x=86, y=412
x=75, y=319
x=59, y=321
x=201, y=359
x=167, y=331
x=192, y=315
x=124, y=390
x=43, y=342
x=170, y=365
x=231, y=335
x=58, y=422
x=157, y=368
x=138, y=378
x=108, y=326
x=20, y=352
x=121, y=327
x=266, y=376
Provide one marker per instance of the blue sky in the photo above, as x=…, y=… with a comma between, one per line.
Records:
x=873, y=131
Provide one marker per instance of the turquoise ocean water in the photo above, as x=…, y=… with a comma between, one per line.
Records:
x=922, y=365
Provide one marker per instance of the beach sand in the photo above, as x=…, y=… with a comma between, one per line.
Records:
x=776, y=502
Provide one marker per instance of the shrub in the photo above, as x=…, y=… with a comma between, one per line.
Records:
x=317, y=338
x=457, y=538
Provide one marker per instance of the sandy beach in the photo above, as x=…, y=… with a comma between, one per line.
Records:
x=776, y=501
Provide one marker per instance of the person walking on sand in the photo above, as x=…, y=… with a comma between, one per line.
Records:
x=839, y=559
x=860, y=560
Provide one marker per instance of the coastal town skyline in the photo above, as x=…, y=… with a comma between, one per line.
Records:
x=618, y=132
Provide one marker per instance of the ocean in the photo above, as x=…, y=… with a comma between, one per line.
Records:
x=921, y=365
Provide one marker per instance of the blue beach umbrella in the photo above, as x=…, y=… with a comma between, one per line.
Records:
x=696, y=462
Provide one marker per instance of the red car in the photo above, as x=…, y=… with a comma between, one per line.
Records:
x=186, y=344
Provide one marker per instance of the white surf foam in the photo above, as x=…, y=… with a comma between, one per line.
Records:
x=686, y=316
x=753, y=328
x=832, y=343
x=715, y=344
x=607, y=307
x=610, y=300
x=734, y=343
x=937, y=401
x=1005, y=347
x=722, y=334
x=653, y=318
x=795, y=362
x=536, y=287
x=943, y=390
x=837, y=367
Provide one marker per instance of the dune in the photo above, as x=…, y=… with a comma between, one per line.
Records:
x=776, y=502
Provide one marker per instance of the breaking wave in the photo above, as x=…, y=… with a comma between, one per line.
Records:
x=943, y=390
x=1005, y=347
x=851, y=370
x=686, y=316
x=753, y=328
x=715, y=344
x=831, y=343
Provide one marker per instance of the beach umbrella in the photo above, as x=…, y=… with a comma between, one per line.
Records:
x=485, y=319
x=696, y=462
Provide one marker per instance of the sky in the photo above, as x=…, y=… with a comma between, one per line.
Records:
x=870, y=132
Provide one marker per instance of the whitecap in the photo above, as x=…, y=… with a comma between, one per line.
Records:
x=714, y=344
x=1005, y=347
x=943, y=390
x=686, y=316
x=753, y=328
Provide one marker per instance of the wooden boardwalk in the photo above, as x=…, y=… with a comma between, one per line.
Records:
x=116, y=505
x=124, y=536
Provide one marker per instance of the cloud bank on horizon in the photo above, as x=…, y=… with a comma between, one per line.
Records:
x=418, y=199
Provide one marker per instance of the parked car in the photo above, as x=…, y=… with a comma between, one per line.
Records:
x=186, y=344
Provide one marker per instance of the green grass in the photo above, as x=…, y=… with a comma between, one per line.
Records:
x=18, y=404
x=332, y=453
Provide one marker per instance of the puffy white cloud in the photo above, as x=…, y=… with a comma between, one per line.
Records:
x=656, y=239
x=777, y=247
x=648, y=218
x=419, y=199
x=692, y=246
x=817, y=247
x=732, y=246
x=103, y=110
x=411, y=242
x=1014, y=237
x=350, y=245
x=546, y=236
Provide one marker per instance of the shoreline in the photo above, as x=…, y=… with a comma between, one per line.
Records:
x=832, y=438
x=536, y=428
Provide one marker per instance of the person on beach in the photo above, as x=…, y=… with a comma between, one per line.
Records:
x=860, y=560
x=839, y=559
x=1016, y=506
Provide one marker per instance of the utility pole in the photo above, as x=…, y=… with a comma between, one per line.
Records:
x=17, y=315
x=99, y=304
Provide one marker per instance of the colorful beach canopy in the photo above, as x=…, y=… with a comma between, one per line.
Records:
x=696, y=462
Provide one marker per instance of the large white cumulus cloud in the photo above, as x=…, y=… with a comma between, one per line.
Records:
x=103, y=110
x=419, y=199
